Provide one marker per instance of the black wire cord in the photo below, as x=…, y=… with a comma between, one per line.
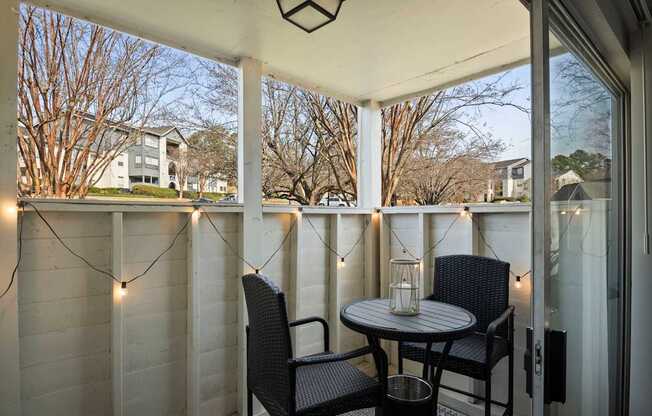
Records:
x=56, y=235
x=233, y=249
x=20, y=252
x=431, y=248
x=238, y=255
x=331, y=249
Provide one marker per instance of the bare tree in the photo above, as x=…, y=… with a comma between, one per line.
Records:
x=309, y=141
x=295, y=162
x=183, y=164
x=452, y=168
x=84, y=94
x=580, y=107
x=336, y=125
x=417, y=126
x=213, y=155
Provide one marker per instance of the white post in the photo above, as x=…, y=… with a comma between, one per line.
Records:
x=249, y=193
x=334, y=283
x=423, y=241
x=369, y=156
x=372, y=257
x=295, y=276
x=117, y=317
x=9, y=360
x=193, y=387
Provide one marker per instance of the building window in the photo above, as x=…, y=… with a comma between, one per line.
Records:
x=121, y=163
x=151, y=161
x=151, y=142
x=517, y=173
x=139, y=140
x=138, y=161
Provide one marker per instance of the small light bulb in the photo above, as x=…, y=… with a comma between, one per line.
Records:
x=11, y=210
x=196, y=214
x=518, y=284
x=466, y=212
x=342, y=263
x=563, y=213
x=299, y=213
x=123, y=289
x=578, y=211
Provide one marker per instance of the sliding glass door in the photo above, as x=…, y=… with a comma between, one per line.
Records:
x=577, y=221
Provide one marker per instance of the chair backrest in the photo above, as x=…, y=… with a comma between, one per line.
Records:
x=477, y=284
x=268, y=342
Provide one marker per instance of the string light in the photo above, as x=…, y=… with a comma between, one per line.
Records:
x=518, y=283
x=466, y=212
x=578, y=211
x=123, y=289
x=11, y=210
x=195, y=213
x=341, y=262
x=299, y=212
x=563, y=213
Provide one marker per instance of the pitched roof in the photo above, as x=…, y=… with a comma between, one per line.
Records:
x=159, y=131
x=505, y=163
x=583, y=191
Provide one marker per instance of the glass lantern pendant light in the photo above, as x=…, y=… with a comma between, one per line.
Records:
x=309, y=15
x=404, y=286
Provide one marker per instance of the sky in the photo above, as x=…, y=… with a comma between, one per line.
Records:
x=510, y=124
x=514, y=126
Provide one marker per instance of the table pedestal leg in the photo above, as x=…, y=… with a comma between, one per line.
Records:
x=440, y=369
x=426, y=361
x=381, y=362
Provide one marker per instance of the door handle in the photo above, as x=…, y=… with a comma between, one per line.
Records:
x=552, y=359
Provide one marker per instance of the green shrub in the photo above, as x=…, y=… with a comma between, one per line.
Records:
x=105, y=191
x=213, y=196
x=153, y=191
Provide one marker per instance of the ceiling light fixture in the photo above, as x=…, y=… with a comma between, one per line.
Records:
x=309, y=15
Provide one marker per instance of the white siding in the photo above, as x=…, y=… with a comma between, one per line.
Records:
x=64, y=317
x=65, y=309
x=155, y=316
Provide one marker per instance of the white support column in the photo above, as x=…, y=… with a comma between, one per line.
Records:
x=371, y=257
x=423, y=241
x=193, y=387
x=118, y=343
x=295, y=278
x=385, y=253
x=334, y=297
x=384, y=250
x=9, y=350
x=471, y=223
x=249, y=194
x=369, y=156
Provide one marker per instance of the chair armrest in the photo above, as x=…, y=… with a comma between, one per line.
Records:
x=310, y=320
x=493, y=326
x=330, y=358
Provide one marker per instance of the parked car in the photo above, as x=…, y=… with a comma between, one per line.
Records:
x=228, y=199
x=334, y=201
x=204, y=201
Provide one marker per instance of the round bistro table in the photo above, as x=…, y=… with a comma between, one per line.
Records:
x=436, y=322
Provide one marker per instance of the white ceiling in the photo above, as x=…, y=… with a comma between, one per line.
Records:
x=378, y=50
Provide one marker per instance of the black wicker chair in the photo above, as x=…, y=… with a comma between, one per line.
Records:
x=480, y=285
x=321, y=384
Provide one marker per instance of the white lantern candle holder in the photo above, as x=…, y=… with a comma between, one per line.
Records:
x=404, y=286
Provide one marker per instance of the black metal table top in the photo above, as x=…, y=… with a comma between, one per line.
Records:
x=436, y=322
